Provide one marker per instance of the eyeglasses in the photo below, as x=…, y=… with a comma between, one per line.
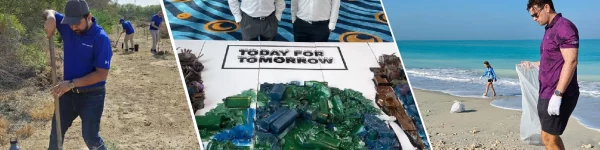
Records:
x=536, y=14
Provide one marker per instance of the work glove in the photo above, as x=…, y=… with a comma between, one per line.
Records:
x=554, y=105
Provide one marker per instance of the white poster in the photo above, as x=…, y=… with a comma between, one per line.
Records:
x=284, y=57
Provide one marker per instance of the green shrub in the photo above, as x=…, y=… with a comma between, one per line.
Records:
x=17, y=54
x=32, y=56
x=10, y=26
x=105, y=19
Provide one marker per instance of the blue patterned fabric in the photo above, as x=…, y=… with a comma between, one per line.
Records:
x=359, y=21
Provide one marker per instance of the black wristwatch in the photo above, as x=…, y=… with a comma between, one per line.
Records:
x=558, y=93
x=71, y=84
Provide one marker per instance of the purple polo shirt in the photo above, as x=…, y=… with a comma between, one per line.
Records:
x=560, y=33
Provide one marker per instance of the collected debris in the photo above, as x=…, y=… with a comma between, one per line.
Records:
x=192, y=68
x=392, y=67
x=587, y=146
x=228, y=128
x=294, y=116
x=457, y=107
x=395, y=98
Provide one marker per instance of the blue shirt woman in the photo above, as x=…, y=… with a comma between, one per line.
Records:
x=489, y=72
x=491, y=75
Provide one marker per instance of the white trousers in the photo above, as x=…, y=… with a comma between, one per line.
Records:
x=154, y=38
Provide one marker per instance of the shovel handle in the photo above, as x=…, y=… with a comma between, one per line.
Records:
x=118, y=40
x=56, y=99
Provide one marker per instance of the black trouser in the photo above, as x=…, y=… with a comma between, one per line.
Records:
x=260, y=28
x=311, y=31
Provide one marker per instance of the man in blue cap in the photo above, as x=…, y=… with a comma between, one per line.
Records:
x=87, y=56
x=128, y=30
x=154, y=27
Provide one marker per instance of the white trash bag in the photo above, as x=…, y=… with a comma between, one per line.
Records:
x=457, y=107
x=530, y=121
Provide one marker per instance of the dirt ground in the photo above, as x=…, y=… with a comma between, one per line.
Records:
x=145, y=106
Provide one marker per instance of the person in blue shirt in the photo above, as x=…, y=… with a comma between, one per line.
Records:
x=154, y=28
x=87, y=56
x=491, y=75
x=128, y=30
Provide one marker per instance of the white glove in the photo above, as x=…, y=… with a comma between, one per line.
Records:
x=479, y=78
x=554, y=105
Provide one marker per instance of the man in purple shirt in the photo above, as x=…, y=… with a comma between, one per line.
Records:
x=559, y=90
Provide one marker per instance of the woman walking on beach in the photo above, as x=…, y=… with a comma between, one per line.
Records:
x=491, y=75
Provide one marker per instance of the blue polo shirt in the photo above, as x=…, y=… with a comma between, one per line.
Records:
x=84, y=53
x=127, y=27
x=156, y=21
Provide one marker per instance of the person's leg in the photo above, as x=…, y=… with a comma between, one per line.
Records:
x=90, y=107
x=554, y=126
x=126, y=41
x=552, y=142
x=67, y=115
x=154, y=34
x=249, y=32
x=487, y=87
x=492, y=86
x=269, y=26
x=131, y=41
x=301, y=30
x=321, y=32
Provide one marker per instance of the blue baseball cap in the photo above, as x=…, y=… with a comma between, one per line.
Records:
x=74, y=11
x=121, y=20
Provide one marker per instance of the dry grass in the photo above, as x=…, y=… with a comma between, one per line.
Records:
x=3, y=124
x=43, y=114
x=25, y=132
x=3, y=129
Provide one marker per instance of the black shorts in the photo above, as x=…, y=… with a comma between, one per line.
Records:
x=490, y=80
x=556, y=125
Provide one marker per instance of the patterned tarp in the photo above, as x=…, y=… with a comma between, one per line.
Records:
x=359, y=21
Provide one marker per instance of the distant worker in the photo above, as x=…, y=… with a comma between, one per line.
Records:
x=313, y=20
x=87, y=56
x=258, y=19
x=154, y=30
x=491, y=77
x=128, y=30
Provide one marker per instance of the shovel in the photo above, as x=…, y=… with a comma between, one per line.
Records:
x=114, y=46
x=56, y=99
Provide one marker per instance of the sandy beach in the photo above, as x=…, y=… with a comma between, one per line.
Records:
x=484, y=126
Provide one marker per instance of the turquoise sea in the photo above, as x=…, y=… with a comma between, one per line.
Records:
x=454, y=67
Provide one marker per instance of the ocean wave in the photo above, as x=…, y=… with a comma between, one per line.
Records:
x=457, y=76
x=460, y=75
x=589, y=88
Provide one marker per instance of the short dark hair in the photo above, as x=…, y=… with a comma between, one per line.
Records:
x=540, y=3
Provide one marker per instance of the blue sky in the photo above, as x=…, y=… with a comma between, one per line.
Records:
x=482, y=20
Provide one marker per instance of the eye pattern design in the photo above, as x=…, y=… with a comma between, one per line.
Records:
x=380, y=16
x=221, y=26
x=359, y=37
x=184, y=15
